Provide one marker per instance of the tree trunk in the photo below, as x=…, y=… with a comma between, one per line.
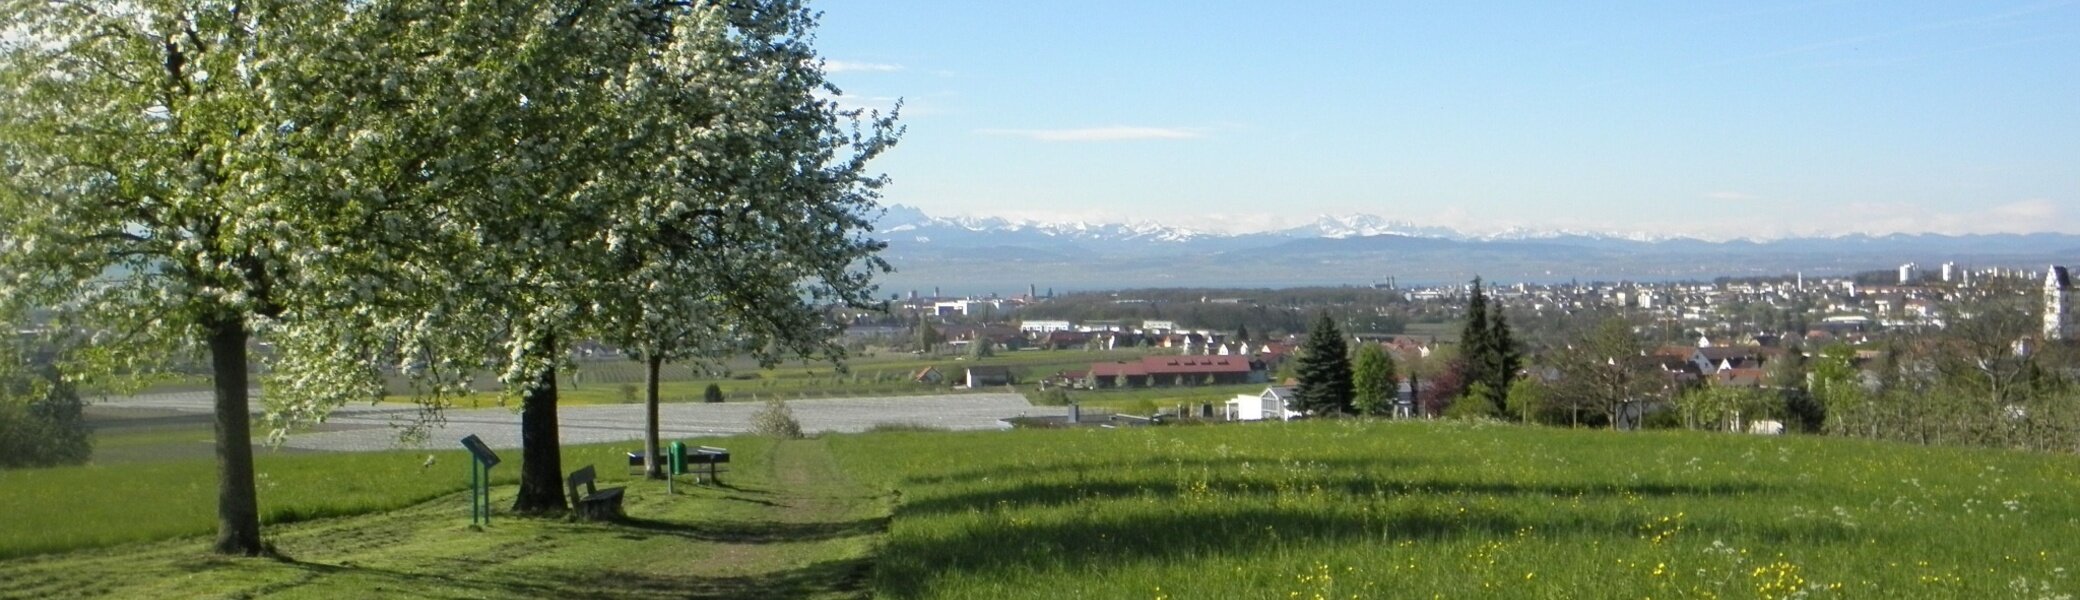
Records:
x=238, y=504
x=652, y=467
x=541, y=456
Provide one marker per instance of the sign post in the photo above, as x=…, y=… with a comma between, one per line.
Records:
x=479, y=479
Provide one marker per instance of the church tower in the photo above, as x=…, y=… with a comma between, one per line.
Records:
x=2058, y=307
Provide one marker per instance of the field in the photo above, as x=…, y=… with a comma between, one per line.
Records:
x=1361, y=510
x=784, y=526
x=1334, y=509
x=1142, y=401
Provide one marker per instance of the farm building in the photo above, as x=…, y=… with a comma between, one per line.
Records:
x=1272, y=403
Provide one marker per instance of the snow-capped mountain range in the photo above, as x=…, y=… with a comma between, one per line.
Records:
x=982, y=254
x=900, y=219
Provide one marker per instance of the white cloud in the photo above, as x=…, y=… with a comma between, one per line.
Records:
x=846, y=66
x=2034, y=208
x=1098, y=134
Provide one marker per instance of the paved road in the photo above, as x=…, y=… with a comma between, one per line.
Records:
x=362, y=427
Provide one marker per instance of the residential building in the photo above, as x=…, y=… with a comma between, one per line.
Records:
x=1272, y=403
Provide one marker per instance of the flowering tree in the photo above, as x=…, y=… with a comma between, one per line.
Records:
x=175, y=180
x=744, y=206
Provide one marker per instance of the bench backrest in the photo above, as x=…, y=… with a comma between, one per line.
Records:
x=582, y=477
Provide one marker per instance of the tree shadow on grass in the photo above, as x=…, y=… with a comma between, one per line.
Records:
x=837, y=577
x=841, y=578
x=1107, y=539
x=1029, y=495
x=1229, y=512
x=491, y=571
x=1209, y=463
x=761, y=532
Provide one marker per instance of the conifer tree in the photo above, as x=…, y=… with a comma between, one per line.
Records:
x=1489, y=354
x=1503, y=359
x=1475, y=339
x=1325, y=370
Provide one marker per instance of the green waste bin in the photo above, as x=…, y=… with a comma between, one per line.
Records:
x=678, y=457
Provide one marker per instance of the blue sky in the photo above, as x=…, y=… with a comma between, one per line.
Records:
x=1710, y=119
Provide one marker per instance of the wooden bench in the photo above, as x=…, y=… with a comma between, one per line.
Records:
x=593, y=504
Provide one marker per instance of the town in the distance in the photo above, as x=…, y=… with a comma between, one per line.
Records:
x=1758, y=333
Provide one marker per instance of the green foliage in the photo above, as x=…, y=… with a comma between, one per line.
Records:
x=776, y=420
x=41, y=423
x=1052, y=397
x=1603, y=372
x=629, y=393
x=980, y=349
x=928, y=337
x=1721, y=408
x=1474, y=404
x=1527, y=401
x=1373, y=381
x=712, y=394
x=1324, y=371
x=1838, y=388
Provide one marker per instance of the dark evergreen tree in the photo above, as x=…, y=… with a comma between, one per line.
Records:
x=1242, y=333
x=1475, y=339
x=1489, y=354
x=1504, y=359
x=1325, y=371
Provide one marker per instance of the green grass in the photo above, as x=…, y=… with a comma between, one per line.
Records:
x=1368, y=509
x=788, y=524
x=117, y=501
x=1312, y=509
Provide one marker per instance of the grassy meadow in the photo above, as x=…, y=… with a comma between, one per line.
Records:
x=785, y=525
x=124, y=498
x=1326, y=509
x=1142, y=401
x=1367, y=509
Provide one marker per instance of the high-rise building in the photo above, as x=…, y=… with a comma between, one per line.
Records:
x=2058, y=307
x=1949, y=272
x=1907, y=273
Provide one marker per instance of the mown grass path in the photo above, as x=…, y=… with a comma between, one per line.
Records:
x=787, y=524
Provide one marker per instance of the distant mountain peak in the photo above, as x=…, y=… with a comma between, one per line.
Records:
x=1363, y=225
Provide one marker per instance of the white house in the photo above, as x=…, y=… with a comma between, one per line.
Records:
x=1272, y=403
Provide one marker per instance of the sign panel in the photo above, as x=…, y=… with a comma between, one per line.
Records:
x=482, y=452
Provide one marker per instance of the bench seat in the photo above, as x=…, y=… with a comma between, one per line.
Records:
x=592, y=503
